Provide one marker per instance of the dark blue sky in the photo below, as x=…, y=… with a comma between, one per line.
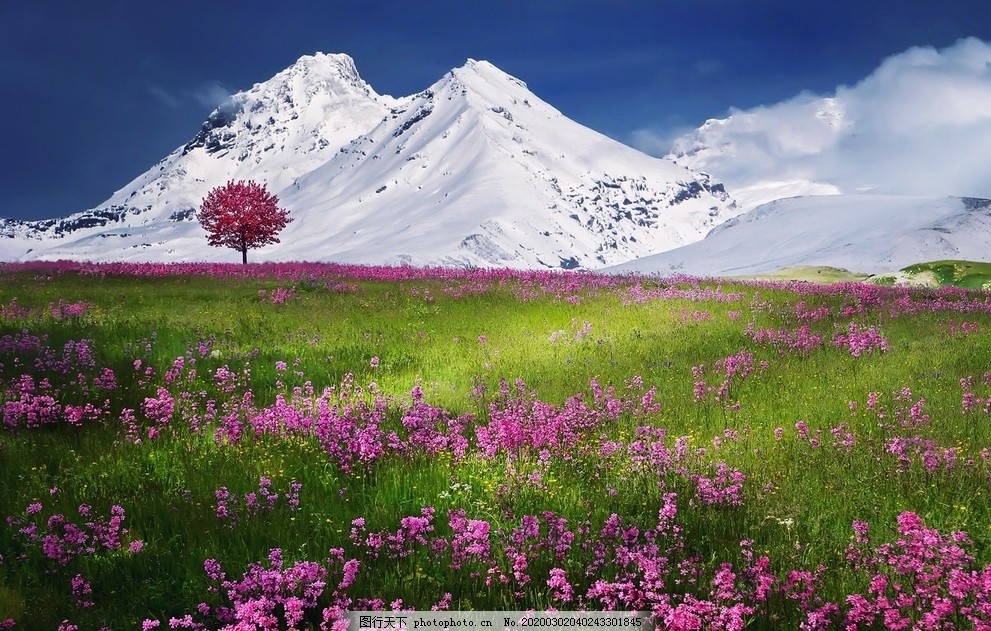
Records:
x=96, y=92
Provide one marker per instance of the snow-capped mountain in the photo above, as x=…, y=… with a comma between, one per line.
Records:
x=861, y=233
x=474, y=170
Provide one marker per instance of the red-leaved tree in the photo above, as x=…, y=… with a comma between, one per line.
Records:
x=242, y=215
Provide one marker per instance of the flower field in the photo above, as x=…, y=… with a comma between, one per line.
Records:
x=267, y=446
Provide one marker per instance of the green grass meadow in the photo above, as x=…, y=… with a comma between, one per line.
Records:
x=802, y=491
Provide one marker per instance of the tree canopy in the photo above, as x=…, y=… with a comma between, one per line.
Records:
x=242, y=215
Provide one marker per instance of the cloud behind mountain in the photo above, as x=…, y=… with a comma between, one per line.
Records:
x=920, y=124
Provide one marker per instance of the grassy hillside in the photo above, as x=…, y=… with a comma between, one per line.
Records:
x=967, y=274
x=812, y=274
x=280, y=443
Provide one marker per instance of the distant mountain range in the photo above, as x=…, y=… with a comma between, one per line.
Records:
x=871, y=234
x=474, y=170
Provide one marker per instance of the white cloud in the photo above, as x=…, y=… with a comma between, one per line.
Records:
x=920, y=124
x=210, y=94
x=657, y=142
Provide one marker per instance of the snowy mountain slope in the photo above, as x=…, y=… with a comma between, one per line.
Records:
x=478, y=157
x=474, y=170
x=861, y=233
x=273, y=132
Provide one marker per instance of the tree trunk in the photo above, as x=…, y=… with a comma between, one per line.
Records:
x=244, y=254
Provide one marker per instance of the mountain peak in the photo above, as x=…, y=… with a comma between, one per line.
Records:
x=335, y=73
x=328, y=65
x=487, y=71
x=474, y=170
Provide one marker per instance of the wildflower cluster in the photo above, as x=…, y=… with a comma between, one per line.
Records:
x=231, y=509
x=61, y=540
x=923, y=580
x=970, y=403
x=50, y=386
x=58, y=311
x=860, y=341
x=277, y=296
x=734, y=369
